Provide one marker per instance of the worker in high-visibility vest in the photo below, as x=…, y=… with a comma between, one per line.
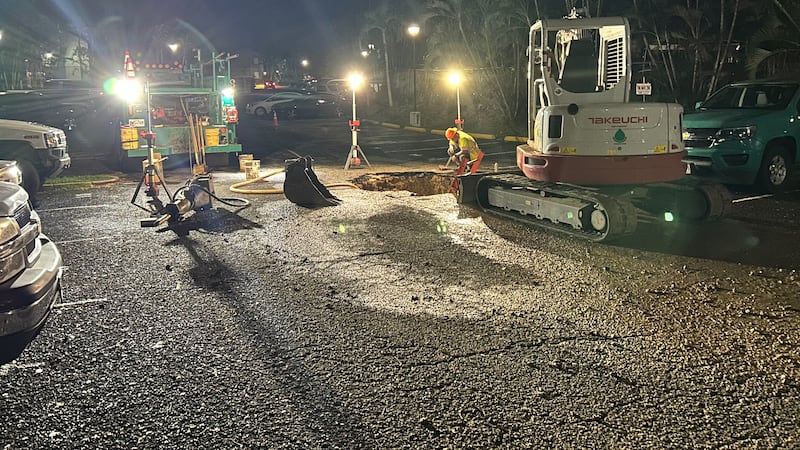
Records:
x=463, y=146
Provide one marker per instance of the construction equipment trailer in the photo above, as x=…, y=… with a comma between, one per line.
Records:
x=192, y=111
x=595, y=164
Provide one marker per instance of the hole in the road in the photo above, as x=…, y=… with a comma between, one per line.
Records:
x=420, y=183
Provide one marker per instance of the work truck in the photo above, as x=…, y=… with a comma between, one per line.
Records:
x=39, y=150
x=183, y=110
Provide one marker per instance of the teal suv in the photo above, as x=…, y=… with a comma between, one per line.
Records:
x=746, y=133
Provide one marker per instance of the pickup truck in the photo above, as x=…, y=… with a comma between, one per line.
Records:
x=39, y=150
x=746, y=133
x=30, y=268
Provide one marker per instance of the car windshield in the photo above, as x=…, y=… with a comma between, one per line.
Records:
x=751, y=96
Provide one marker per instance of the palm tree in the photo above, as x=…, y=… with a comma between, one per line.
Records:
x=724, y=40
x=384, y=18
x=775, y=48
x=487, y=37
x=691, y=32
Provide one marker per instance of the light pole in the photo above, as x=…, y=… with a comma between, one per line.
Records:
x=413, y=31
x=455, y=79
x=353, y=160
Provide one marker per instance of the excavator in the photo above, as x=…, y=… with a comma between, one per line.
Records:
x=595, y=163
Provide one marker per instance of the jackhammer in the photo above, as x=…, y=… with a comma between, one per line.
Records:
x=195, y=195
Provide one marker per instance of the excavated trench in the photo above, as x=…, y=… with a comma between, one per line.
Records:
x=420, y=183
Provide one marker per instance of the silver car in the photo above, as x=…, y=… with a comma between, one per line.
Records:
x=30, y=271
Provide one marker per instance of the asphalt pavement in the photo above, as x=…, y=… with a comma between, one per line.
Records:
x=398, y=320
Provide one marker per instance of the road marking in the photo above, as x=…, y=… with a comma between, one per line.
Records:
x=417, y=149
x=73, y=207
x=72, y=241
x=5, y=368
x=81, y=302
x=396, y=141
x=757, y=197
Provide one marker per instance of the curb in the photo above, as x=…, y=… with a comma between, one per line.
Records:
x=111, y=179
x=441, y=132
x=417, y=129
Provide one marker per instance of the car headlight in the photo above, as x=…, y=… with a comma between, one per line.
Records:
x=8, y=230
x=735, y=134
x=11, y=174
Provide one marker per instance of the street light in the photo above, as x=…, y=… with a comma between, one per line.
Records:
x=304, y=63
x=455, y=79
x=355, y=80
x=413, y=31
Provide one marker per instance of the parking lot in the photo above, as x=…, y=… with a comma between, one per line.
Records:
x=403, y=320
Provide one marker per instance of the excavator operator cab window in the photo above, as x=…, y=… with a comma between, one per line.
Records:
x=577, y=56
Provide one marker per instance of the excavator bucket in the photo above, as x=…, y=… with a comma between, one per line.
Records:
x=302, y=187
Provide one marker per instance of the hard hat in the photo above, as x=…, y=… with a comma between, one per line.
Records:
x=450, y=133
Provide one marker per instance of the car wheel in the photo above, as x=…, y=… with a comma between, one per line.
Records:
x=31, y=180
x=776, y=169
x=261, y=112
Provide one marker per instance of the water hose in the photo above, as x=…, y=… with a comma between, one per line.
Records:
x=237, y=187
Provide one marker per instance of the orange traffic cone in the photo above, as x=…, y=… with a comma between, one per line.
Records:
x=130, y=72
x=274, y=119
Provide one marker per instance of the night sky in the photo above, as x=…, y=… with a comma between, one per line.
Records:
x=313, y=29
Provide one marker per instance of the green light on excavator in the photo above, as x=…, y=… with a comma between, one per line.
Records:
x=570, y=215
x=668, y=217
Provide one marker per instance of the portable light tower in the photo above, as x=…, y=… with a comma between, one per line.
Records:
x=353, y=159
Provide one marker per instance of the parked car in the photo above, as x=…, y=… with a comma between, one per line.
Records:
x=30, y=271
x=261, y=85
x=336, y=86
x=264, y=107
x=310, y=107
x=746, y=133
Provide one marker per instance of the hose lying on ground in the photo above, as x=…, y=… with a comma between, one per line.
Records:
x=237, y=187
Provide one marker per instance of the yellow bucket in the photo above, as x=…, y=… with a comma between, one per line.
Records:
x=159, y=167
x=212, y=136
x=252, y=169
x=243, y=160
x=129, y=137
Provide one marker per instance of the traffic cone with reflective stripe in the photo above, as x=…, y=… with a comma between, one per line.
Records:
x=130, y=72
x=274, y=119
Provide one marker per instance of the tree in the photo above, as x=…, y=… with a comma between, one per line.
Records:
x=775, y=48
x=488, y=38
x=384, y=18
